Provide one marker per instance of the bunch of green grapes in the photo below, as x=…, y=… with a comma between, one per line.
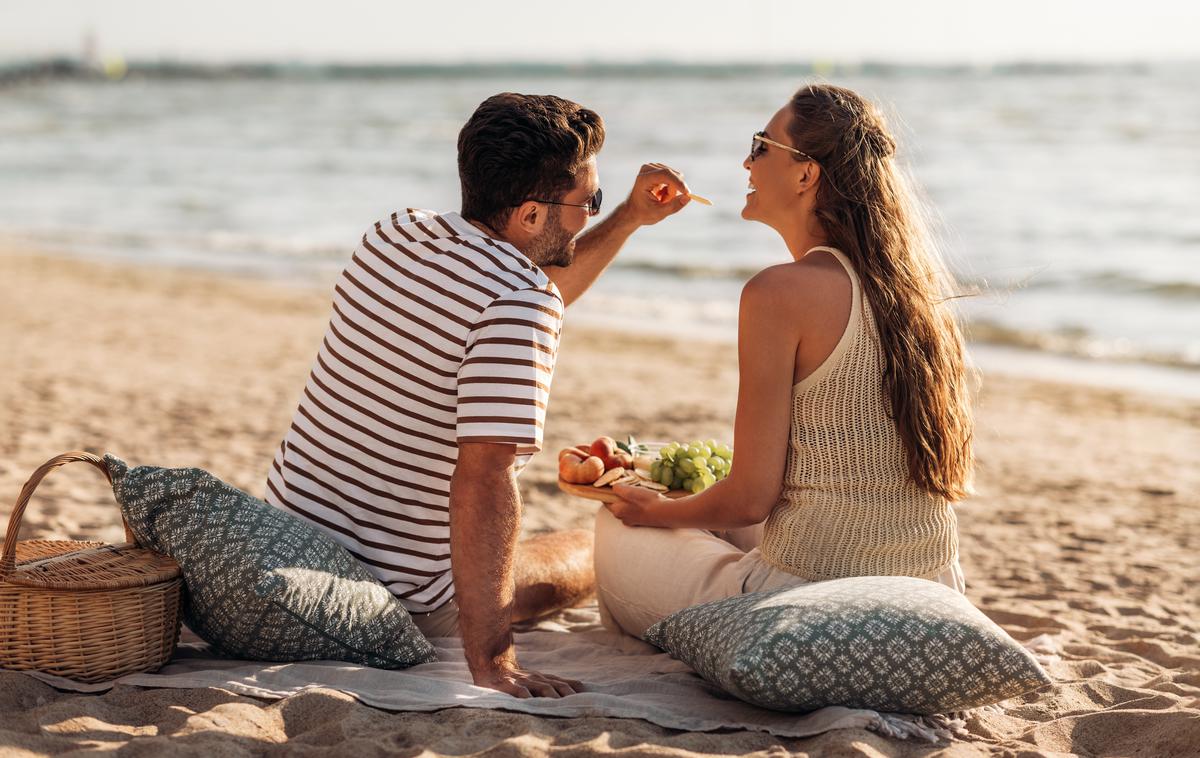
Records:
x=692, y=466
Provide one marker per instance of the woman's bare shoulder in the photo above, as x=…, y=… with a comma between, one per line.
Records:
x=818, y=280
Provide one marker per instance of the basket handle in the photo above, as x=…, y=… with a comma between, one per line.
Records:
x=8, y=559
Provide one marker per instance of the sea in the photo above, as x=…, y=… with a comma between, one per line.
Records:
x=1065, y=198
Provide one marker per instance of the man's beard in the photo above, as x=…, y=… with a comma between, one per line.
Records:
x=555, y=246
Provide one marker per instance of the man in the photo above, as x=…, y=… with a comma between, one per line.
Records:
x=429, y=390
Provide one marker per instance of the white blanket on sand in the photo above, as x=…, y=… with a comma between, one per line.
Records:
x=623, y=678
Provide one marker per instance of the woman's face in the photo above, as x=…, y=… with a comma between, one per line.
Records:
x=772, y=196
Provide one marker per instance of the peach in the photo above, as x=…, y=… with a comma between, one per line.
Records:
x=576, y=470
x=618, y=459
x=603, y=447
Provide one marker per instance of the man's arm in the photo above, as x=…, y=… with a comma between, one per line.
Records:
x=485, y=523
x=648, y=203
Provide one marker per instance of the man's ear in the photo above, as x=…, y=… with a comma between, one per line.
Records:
x=529, y=217
x=807, y=177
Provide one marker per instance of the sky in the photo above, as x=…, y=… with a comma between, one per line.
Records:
x=932, y=31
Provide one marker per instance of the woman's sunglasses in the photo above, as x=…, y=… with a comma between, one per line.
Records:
x=759, y=142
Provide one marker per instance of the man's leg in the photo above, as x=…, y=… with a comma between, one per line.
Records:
x=553, y=571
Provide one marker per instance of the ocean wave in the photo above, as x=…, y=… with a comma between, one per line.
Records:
x=1116, y=282
x=1120, y=281
x=1111, y=281
x=1079, y=343
x=195, y=244
x=690, y=270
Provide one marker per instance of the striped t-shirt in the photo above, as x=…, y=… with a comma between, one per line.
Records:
x=439, y=335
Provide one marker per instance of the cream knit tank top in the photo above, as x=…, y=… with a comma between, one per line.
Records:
x=848, y=505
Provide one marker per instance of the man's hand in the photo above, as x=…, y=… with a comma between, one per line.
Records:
x=485, y=522
x=658, y=191
x=521, y=683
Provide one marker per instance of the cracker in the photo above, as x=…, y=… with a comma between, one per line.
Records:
x=609, y=476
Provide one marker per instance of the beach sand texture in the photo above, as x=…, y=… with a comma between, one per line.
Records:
x=1085, y=526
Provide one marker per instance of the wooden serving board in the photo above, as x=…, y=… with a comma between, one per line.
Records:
x=605, y=494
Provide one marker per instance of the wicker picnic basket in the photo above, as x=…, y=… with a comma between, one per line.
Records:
x=84, y=610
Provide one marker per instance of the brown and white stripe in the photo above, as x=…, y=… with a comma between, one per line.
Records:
x=438, y=335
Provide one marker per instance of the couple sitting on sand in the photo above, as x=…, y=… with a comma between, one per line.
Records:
x=429, y=391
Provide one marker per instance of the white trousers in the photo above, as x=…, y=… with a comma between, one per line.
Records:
x=644, y=574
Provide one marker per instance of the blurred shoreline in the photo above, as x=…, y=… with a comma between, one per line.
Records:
x=1005, y=354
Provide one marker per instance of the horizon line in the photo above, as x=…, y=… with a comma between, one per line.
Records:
x=599, y=62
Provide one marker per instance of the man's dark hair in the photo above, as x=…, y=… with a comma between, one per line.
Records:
x=520, y=147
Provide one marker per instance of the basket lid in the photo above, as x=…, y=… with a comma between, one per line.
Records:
x=71, y=565
x=35, y=550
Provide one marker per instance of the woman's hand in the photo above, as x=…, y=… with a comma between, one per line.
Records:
x=636, y=506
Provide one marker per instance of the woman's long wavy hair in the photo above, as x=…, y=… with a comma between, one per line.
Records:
x=868, y=211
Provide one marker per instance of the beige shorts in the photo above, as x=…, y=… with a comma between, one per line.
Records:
x=442, y=622
x=645, y=574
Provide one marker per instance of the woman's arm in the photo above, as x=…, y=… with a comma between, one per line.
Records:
x=768, y=334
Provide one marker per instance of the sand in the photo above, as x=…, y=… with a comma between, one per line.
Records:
x=1085, y=526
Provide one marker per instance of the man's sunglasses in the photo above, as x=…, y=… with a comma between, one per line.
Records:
x=759, y=142
x=593, y=205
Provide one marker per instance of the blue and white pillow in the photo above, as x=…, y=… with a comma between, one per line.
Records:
x=887, y=643
x=261, y=584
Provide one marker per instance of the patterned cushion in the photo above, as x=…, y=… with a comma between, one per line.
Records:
x=261, y=584
x=888, y=643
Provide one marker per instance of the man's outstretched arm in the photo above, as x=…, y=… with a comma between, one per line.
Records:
x=485, y=523
x=647, y=204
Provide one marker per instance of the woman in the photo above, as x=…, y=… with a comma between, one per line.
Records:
x=853, y=429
